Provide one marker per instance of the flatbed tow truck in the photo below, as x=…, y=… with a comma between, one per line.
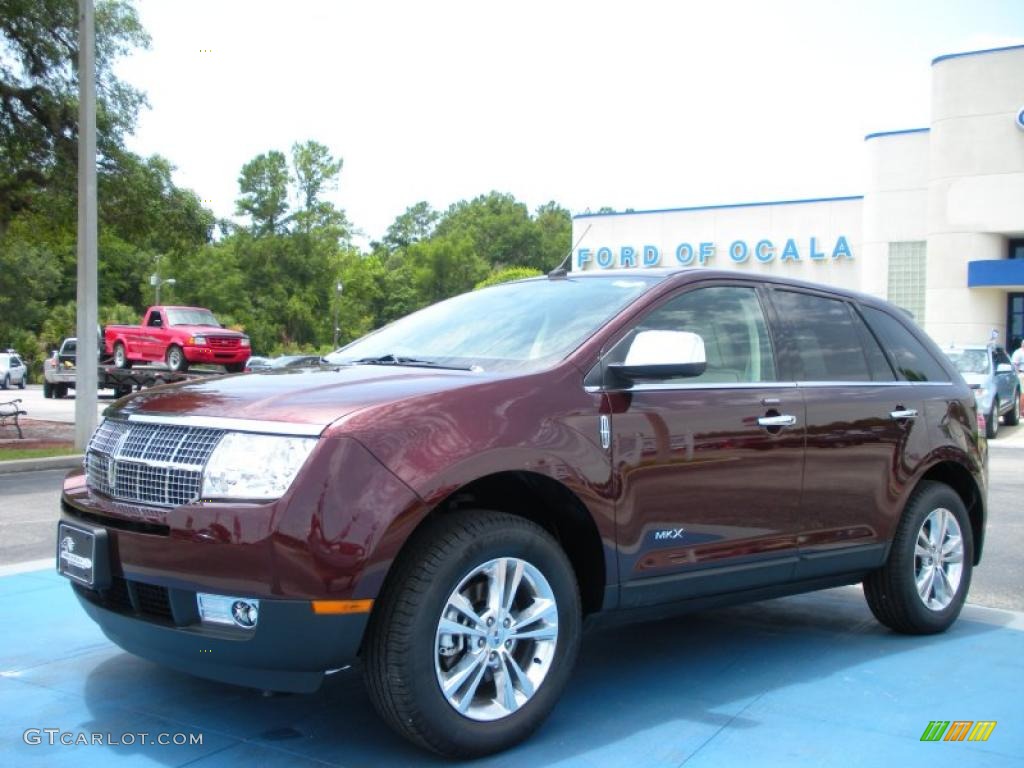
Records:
x=59, y=374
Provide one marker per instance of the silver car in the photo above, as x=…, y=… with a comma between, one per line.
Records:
x=996, y=388
x=12, y=370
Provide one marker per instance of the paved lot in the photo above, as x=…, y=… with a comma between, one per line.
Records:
x=809, y=680
x=39, y=407
x=29, y=509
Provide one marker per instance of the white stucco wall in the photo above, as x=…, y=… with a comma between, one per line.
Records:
x=895, y=201
x=721, y=228
x=975, y=187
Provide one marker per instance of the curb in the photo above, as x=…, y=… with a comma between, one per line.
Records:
x=34, y=465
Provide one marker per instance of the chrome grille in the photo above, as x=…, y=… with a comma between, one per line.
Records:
x=158, y=464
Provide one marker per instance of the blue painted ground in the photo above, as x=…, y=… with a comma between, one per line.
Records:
x=809, y=680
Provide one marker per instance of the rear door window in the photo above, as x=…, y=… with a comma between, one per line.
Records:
x=828, y=340
x=912, y=361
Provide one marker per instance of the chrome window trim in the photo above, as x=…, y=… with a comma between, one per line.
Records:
x=256, y=426
x=669, y=386
x=676, y=387
x=874, y=383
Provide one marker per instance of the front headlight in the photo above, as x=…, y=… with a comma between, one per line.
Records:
x=245, y=341
x=197, y=340
x=245, y=466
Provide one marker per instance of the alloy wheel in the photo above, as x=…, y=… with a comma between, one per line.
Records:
x=938, y=559
x=174, y=358
x=496, y=639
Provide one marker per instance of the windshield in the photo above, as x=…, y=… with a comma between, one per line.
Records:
x=512, y=326
x=191, y=317
x=969, y=360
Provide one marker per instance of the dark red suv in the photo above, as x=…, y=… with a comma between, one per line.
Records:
x=452, y=497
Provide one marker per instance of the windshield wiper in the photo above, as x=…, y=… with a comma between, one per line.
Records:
x=392, y=359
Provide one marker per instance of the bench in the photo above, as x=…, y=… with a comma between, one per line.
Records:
x=10, y=412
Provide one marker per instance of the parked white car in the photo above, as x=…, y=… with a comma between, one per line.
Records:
x=12, y=370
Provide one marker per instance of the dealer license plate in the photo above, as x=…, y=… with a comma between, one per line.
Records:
x=76, y=554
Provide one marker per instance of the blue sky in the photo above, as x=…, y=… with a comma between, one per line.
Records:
x=639, y=104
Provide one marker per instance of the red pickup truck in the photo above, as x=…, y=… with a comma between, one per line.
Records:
x=177, y=336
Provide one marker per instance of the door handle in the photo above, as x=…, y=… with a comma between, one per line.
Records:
x=783, y=420
x=907, y=413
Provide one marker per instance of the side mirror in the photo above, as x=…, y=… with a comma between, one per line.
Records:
x=662, y=355
x=1004, y=368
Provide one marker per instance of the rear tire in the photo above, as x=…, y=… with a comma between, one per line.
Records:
x=452, y=562
x=234, y=367
x=175, y=359
x=1013, y=415
x=922, y=586
x=47, y=390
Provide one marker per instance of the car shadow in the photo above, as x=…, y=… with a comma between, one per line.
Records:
x=693, y=675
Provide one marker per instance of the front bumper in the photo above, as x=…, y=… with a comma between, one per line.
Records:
x=290, y=649
x=216, y=356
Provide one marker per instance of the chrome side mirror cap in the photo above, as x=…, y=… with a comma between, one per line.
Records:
x=662, y=355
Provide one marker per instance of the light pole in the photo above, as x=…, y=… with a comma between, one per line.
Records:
x=87, y=315
x=156, y=281
x=337, y=308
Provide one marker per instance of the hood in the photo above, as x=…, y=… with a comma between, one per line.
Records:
x=296, y=399
x=206, y=330
x=978, y=379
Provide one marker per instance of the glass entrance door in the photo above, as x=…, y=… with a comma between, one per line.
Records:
x=1014, y=321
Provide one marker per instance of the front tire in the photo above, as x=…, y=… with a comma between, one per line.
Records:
x=992, y=420
x=175, y=359
x=234, y=367
x=1013, y=415
x=21, y=384
x=922, y=586
x=485, y=604
x=121, y=357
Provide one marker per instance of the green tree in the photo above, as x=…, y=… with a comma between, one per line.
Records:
x=415, y=224
x=39, y=95
x=30, y=280
x=554, y=225
x=263, y=183
x=507, y=275
x=443, y=267
x=498, y=227
x=316, y=171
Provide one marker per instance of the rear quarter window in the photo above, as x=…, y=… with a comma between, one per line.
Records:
x=912, y=360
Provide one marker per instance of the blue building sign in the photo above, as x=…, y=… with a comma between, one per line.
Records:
x=688, y=254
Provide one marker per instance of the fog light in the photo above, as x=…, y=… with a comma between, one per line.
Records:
x=234, y=611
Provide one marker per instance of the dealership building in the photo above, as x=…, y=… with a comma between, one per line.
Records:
x=939, y=229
